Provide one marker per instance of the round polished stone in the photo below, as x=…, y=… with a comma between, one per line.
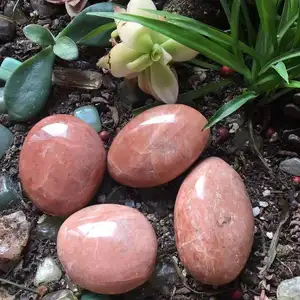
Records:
x=213, y=221
x=157, y=145
x=107, y=248
x=62, y=163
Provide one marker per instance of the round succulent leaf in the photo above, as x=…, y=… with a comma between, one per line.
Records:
x=66, y=49
x=39, y=35
x=27, y=90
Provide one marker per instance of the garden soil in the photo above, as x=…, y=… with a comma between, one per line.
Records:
x=272, y=191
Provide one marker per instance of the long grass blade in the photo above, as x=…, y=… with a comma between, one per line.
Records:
x=226, y=8
x=296, y=43
x=209, y=88
x=204, y=64
x=186, y=37
x=97, y=31
x=293, y=84
x=234, y=25
x=280, y=68
x=230, y=107
x=283, y=57
x=267, y=11
x=288, y=16
x=203, y=29
x=251, y=33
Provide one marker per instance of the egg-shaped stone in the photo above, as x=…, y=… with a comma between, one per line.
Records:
x=107, y=248
x=214, y=225
x=157, y=145
x=61, y=165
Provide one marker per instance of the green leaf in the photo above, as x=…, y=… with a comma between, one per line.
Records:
x=226, y=8
x=250, y=28
x=209, y=88
x=230, y=107
x=267, y=11
x=84, y=24
x=188, y=38
x=283, y=57
x=293, y=84
x=297, y=33
x=8, y=66
x=39, y=35
x=234, y=25
x=206, y=30
x=66, y=49
x=27, y=90
x=281, y=70
x=288, y=17
x=91, y=38
x=203, y=64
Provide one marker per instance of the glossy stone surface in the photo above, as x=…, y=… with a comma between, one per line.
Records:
x=107, y=248
x=213, y=221
x=89, y=114
x=8, y=192
x=157, y=145
x=6, y=138
x=62, y=163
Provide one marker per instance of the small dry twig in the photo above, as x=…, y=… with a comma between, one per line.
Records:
x=22, y=287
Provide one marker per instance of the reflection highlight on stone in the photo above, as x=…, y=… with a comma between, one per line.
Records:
x=98, y=229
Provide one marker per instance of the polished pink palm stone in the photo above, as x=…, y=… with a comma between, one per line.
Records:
x=107, y=248
x=157, y=145
x=214, y=224
x=62, y=163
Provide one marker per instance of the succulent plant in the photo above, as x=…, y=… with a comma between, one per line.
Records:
x=145, y=55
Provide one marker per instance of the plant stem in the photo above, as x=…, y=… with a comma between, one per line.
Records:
x=5, y=281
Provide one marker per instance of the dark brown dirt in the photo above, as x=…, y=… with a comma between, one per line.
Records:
x=157, y=203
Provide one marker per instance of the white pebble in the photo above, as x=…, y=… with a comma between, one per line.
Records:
x=263, y=204
x=47, y=271
x=256, y=211
x=274, y=137
x=234, y=127
x=266, y=193
x=269, y=235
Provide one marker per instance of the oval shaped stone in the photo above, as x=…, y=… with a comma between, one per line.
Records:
x=214, y=225
x=157, y=146
x=62, y=163
x=107, y=248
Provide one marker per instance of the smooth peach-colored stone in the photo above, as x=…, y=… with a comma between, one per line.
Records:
x=62, y=163
x=157, y=145
x=213, y=221
x=107, y=248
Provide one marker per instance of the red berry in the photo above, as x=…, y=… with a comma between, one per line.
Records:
x=236, y=295
x=223, y=134
x=226, y=71
x=105, y=135
x=270, y=132
x=296, y=179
